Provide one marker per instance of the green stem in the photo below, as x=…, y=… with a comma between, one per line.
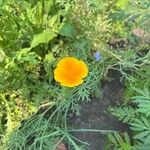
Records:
x=114, y=55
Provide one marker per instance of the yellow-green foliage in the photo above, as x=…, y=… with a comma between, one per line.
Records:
x=26, y=34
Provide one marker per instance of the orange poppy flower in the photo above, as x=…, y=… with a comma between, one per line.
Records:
x=70, y=72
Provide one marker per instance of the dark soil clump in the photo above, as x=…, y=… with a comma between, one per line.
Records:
x=94, y=114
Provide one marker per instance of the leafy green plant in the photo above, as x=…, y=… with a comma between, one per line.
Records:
x=121, y=142
x=27, y=33
x=137, y=118
x=126, y=114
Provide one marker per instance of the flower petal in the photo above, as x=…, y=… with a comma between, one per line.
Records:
x=70, y=72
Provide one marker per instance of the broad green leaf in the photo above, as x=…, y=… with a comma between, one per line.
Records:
x=31, y=57
x=22, y=52
x=67, y=30
x=43, y=37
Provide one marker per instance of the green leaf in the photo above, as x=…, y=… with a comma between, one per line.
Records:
x=120, y=142
x=142, y=147
x=38, y=14
x=48, y=5
x=118, y=137
x=67, y=30
x=144, y=106
x=52, y=20
x=22, y=52
x=126, y=146
x=1, y=39
x=112, y=138
x=2, y=55
x=49, y=58
x=122, y=3
x=142, y=135
x=43, y=37
x=124, y=114
x=139, y=125
x=147, y=140
x=127, y=138
x=48, y=62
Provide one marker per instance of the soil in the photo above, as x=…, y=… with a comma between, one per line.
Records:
x=95, y=115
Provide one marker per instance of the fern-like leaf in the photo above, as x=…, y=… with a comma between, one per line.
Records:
x=124, y=114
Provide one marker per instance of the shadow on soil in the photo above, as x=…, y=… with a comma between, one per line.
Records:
x=94, y=114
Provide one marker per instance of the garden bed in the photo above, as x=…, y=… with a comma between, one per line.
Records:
x=94, y=114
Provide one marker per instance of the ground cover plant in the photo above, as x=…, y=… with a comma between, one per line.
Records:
x=55, y=54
